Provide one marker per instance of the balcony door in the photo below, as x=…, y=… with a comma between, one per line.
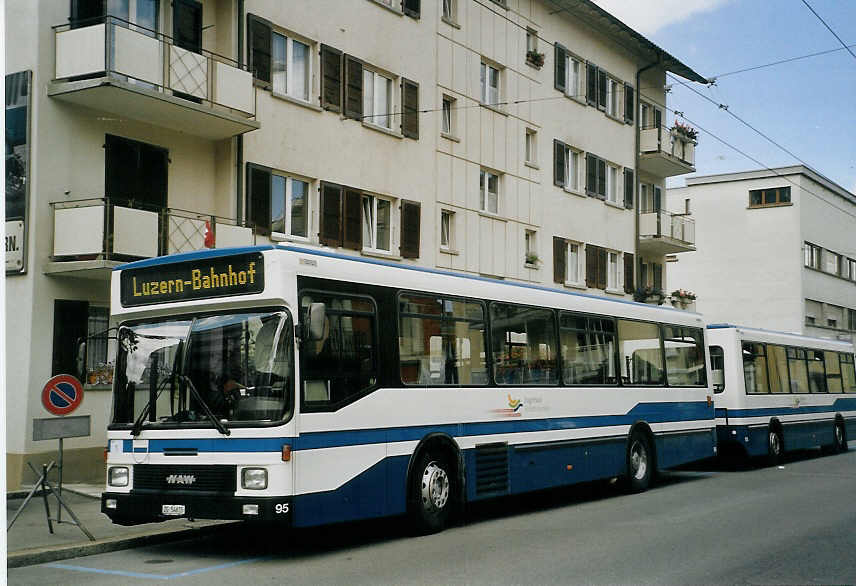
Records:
x=136, y=173
x=187, y=24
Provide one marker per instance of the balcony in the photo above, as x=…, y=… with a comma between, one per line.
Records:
x=92, y=236
x=662, y=233
x=115, y=67
x=665, y=152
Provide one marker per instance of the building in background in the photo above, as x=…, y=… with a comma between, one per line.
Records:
x=517, y=139
x=777, y=251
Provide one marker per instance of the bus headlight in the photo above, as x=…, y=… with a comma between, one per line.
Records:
x=118, y=476
x=254, y=478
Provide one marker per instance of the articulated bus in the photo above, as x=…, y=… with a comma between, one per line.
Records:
x=778, y=391
x=294, y=384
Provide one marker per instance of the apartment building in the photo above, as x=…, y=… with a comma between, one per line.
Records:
x=778, y=250
x=520, y=140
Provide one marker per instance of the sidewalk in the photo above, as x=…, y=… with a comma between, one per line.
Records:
x=29, y=541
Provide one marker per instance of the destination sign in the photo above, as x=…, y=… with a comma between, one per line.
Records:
x=195, y=279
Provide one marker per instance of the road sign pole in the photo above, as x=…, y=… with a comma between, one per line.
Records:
x=59, y=487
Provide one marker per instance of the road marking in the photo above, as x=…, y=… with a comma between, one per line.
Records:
x=156, y=576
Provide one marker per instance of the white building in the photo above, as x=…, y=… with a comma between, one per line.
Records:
x=502, y=138
x=777, y=250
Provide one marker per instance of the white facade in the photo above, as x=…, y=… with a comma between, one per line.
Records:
x=777, y=251
x=144, y=144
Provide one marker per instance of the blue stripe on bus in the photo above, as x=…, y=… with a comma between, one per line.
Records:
x=650, y=412
x=848, y=404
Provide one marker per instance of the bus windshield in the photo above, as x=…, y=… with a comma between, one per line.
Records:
x=210, y=370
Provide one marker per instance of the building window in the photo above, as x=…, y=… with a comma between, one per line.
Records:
x=447, y=225
x=573, y=266
x=595, y=176
x=448, y=115
x=377, y=220
x=812, y=256
x=277, y=203
x=613, y=274
x=769, y=197
x=80, y=341
x=531, y=40
x=530, y=246
x=450, y=10
x=290, y=67
x=832, y=262
x=850, y=269
x=851, y=325
x=377, y=99
x=136, y=173
x=489, y=84
x=488, y=192
x=612, y=183
x=566, y=171
x=612, y=97
x=531, y=146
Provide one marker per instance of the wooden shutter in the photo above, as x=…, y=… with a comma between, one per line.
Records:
x=70, y=326
x=591, y=83
x=331, y=78
x=259, y=50
x=561, y=68
x=560, y=271
x=591, y=174
x=629, y=184
x=330, y=233
x=601, y=179
x=591, y=265
x=352, y=233
x=559, y=163
x=259, y=198
x=86, y=12
x=628, y=273
x=353, y=88
x=658, y=275
x=187, y=24
x=411, y=7
x=410, y=220
x=602, y=267
x=410, y=108
x=601, y=88
x=629, y=104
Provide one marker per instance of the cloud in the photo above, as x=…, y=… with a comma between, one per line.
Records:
x=648, y=17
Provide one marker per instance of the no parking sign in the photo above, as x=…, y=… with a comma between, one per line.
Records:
x=62, y=394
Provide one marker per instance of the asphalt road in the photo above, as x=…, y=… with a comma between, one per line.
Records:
x=790, y=524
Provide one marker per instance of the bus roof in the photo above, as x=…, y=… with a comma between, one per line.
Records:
x=726, y=326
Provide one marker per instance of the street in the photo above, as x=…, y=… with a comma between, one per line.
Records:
x=707, y=524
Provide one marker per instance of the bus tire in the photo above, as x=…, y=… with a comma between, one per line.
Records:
x=640, y=462
x=775, y=445
x=839, y=436
x=432, y=489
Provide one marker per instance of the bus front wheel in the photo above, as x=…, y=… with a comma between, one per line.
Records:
x=640, y=462
x=775, y=445
x=840, y=438
x=432, y=492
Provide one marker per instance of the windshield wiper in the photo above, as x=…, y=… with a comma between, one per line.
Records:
x=217, y=423
x=138, y=424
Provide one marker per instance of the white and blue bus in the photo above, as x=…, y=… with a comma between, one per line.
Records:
x=777, y=391
x=294, y=384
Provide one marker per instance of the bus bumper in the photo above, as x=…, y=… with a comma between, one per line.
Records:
x=135, y=508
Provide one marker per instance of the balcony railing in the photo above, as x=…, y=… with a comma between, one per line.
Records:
x=666, y=151
x=101, y=229
x=666, y=232
x=149, y=63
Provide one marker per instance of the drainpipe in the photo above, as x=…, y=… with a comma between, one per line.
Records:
x=239, y=140
x=638, y=264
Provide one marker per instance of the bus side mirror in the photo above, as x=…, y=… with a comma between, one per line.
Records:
x=80, y=360
x=316, y=318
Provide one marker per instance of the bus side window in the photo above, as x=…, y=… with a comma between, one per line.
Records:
x=717, y=368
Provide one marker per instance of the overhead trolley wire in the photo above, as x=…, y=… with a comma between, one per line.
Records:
x=829, y=28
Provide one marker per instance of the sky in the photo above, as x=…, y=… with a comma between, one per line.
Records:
x=806, y=106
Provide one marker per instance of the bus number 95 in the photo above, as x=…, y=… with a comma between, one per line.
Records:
x=281, y=508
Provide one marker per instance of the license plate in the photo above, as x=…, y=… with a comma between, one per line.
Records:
x=172, y=509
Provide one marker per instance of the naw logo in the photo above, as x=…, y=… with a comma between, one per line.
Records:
x=514, y=408
x=180, y=479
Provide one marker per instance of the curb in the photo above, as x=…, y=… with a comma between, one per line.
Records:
x=41, y=555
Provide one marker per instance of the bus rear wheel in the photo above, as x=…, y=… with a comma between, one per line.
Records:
x=432, y=492
x=775, y=446
x=840, y=438
x=640, y=462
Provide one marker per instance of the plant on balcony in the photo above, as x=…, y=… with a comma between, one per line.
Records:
x=535, y=58
x=685, y=131
x=532, y=258
x=682, y=298
x=649, y=295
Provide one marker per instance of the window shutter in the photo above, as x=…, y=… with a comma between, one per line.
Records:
x=353, y=88
x=331, y=78
x=658, y=275
x=601, y=88
x=71, y=321
x=560, y=271
x=601, y=179
x=628, y=188
x=628, y=273
x=86, y=12
x=602, y=267
x=591, y=83
x=330, y=233
x=410, y=7
x=591, y=174
x=629, y=104
x=591, y=265
x=559, y=178
x=259, y=199
x=410, y=108
x=187, y=24
x=410, y=219
x=352, y=226
x=561, y=77
x=259, y=36
x=153, y=174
